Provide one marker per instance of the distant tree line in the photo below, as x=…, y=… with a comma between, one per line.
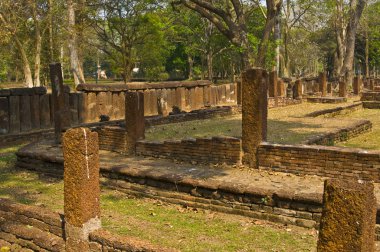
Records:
x=186, y=39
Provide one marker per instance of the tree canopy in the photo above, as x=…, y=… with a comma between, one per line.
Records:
x=186, y=39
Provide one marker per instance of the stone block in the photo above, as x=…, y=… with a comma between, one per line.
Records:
x=81, y=108
x=92, y=108
x=74, y=105
x=25, y=113
x=4, y=115
x=35, y=111
x=14, y=111
x=273, y=84
x=45, y=121
x=239, y=90
x=181, y=98
x=198, y=92
x=254, y=113
x=348, y=217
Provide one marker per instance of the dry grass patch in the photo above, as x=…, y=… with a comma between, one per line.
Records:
x=287, y=125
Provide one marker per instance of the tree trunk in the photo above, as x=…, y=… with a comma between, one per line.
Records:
x=210, y=70
x=273, y=10
x=366, y=53
x=191, y=67
x=356, y=13
x=37, y=61
x=25, y=64
x=76, y=68
x=340, y=37
x=51, y=43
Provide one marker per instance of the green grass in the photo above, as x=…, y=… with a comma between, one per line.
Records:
x=287, y=125
x=371, y=140
x=160, y=223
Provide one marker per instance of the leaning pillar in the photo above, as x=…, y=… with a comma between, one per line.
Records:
x=254, y=113
x=348, y=217
x=81, y=187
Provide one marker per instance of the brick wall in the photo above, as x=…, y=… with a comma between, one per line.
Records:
x=200, y=150
x=30, y=227
x=341, y=135
x=112, y=138
x=39, y=229
x=324, y=161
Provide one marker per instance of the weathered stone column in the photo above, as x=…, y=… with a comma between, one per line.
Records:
x=62, y=113
x=329, y=88
x=371, y=84
x=281, y=88
x=348, y=217
x=323, y=84
x=342, y=89
x=255, y=113
x=81, y=187
x=134, y=119
x=357, y=85
x=273, y=87
x=298, y=89
x=239, y=90
x=4, y=115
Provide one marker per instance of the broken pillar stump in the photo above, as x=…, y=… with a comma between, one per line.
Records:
x=342, y=89
x=323, y=84
x=371, y=84
x=134, y=119
x=254, y=113
x=357, y=85
x=298, y=89
x=348, y=217
x=81, y=187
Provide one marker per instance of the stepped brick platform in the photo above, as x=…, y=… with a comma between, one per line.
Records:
x=371, y=99
x=274, y=196
x=327, y=99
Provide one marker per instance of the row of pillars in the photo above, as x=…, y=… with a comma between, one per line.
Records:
x=349, y=212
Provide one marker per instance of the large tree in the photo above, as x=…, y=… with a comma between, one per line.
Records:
x=231, y=18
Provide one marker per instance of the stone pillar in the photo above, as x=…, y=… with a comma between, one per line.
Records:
x=254, y=113
x=348, y=217
x=25, y=113
x=239, y=94
x=281, y=88
x=298, y=89
x=323, y=84
x=273, y=87
x=4, y=115
x=357, y=85
x=81, y=187
x=329, y=88
x=35, y=111
x=371, y=84
x=14, y=112
x=62, y=113
x=45, y=111
x=342, y=89
x=134, y=119
x=162, y=106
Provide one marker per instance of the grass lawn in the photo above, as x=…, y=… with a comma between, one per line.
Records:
x=164, y=224
x=287, y=125
x=371, y=140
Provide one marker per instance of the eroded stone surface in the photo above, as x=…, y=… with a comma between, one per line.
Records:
x=254, y=113
x=348, y=217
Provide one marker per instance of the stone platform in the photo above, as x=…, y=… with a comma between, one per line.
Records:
x=274, y=196
x=327, y=99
